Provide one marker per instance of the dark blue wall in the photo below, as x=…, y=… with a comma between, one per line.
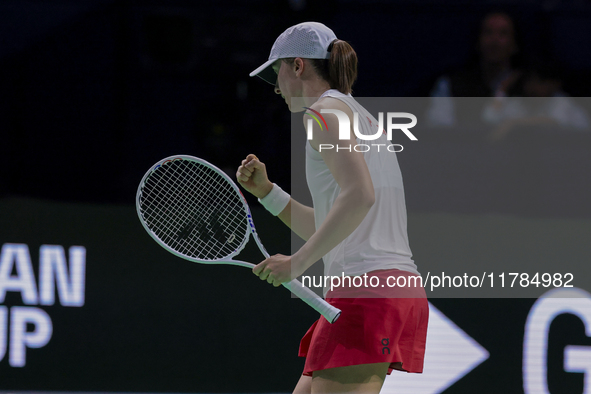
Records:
x=94, y=92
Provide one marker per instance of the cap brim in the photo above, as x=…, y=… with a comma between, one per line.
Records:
x=266, y=72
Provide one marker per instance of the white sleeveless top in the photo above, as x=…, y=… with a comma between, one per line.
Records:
x=381, y=240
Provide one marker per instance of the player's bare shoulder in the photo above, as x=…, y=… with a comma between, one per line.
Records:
x=325, y=127
x=333, y=103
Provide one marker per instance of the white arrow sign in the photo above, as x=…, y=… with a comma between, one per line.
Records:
x=450, y=354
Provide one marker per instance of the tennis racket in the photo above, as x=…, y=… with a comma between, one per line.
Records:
x=195, y=211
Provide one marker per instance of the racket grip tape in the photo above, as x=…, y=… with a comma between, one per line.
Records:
x=309, y=297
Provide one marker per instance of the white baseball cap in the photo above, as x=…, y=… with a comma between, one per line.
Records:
x=309, y=40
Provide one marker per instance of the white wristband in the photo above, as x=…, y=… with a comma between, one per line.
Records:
x=276, y=200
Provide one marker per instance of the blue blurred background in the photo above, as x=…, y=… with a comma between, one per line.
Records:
x=93, y=92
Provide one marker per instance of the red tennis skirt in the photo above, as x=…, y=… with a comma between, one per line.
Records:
x=377, y=324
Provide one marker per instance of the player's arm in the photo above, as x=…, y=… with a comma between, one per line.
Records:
x=299, y=218
x=351, y=173
x=252, y=175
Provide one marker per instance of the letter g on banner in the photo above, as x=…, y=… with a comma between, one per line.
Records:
x=535, y=342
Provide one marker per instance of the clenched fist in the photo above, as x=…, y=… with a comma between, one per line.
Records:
x=252, y=176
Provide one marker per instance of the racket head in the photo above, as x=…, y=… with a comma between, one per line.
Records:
x=193, y=209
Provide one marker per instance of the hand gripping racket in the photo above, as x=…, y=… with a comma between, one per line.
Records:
x=195, y=211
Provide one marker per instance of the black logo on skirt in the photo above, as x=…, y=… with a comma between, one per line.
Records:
x=385, y=343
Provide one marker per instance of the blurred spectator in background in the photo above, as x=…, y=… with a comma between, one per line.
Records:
x=544, y=103
x=492, y=70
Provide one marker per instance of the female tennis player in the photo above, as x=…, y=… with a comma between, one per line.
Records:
x=357, y=224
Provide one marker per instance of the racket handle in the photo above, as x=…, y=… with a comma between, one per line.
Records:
x=295, y=286
x=309, y=297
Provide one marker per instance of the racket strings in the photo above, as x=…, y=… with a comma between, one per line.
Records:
x=194, y=210
x=227, y=212
x=209, y=181
x=190, y=209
